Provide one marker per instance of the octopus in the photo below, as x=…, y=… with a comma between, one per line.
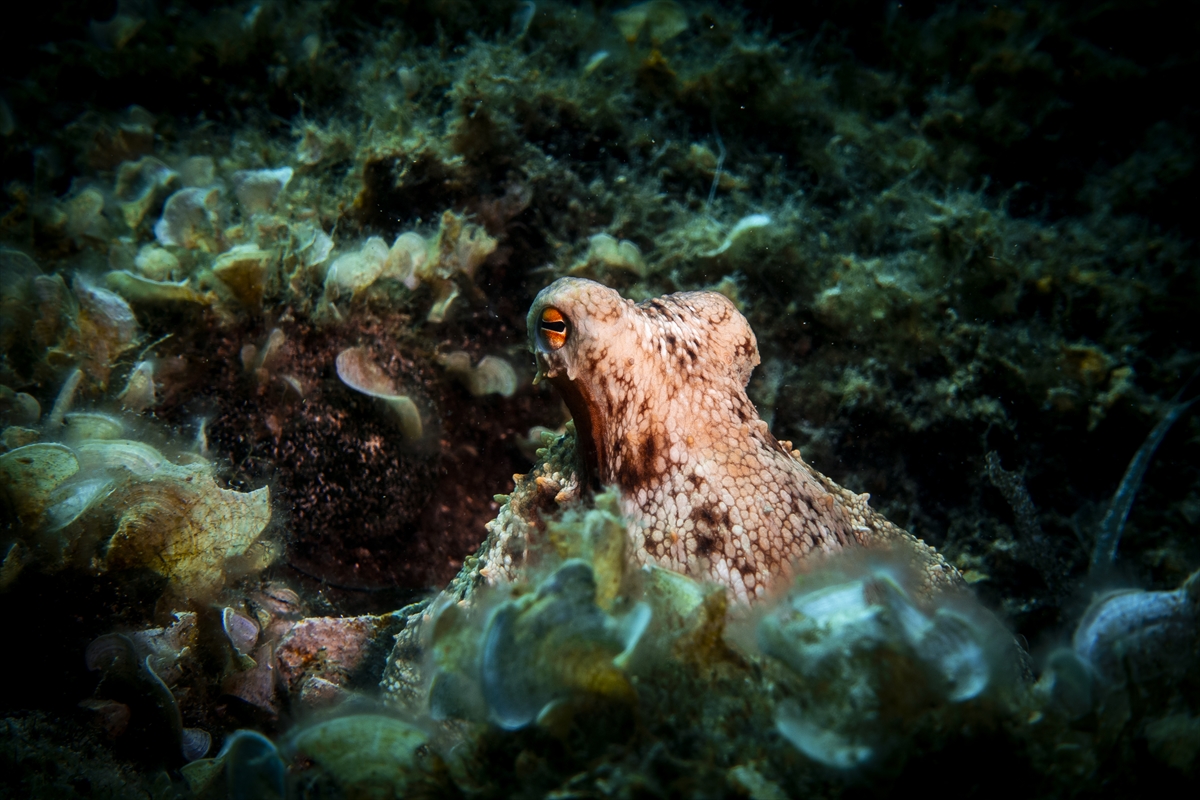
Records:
x=657, y=393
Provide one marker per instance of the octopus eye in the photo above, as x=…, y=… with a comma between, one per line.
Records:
x=553, y=328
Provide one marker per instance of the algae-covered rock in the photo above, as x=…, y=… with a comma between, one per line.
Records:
x=330, y=653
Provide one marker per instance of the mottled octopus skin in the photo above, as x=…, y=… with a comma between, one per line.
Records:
x=658, y=394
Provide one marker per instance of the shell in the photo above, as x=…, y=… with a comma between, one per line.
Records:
x=187, y=530
x=541, y=648
x=492, y=375
x=156, y=264
x=107, y=328
x=312, y=244
x=171, y=519
x=191, y=219
x=353, y=272
x=82, y=425
x=605, y=251
x=31, y=475
x=241, y=631
x=246, y=270
x=1141, y=636
x=140, y=289
x=85, y=216
x=257, y=190
x=458, y=249
x=662, y=20
x=140, y=186
x=356, y=369
x=197, y=171
x=194, y=743
x=138, y=394
x=73, y=499
x=363, y=755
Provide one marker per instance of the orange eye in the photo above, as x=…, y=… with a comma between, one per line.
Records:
x=553, y=328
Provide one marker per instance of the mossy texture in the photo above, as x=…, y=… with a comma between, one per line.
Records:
x=959, y=233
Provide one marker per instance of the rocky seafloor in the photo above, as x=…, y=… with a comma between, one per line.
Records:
x=264, y=271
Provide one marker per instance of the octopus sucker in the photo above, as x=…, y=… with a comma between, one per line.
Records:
x=639, y=379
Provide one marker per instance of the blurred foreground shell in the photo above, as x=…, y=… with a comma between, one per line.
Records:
x=1141, y=636
x=547, y=646
x=249, y=766
x=124, y=499
x=364, y=755
x=862, y=649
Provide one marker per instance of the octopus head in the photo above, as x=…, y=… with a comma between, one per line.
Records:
x=576, y=327
x=621, y=367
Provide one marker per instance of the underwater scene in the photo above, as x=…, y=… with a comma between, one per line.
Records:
x=433, y=398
